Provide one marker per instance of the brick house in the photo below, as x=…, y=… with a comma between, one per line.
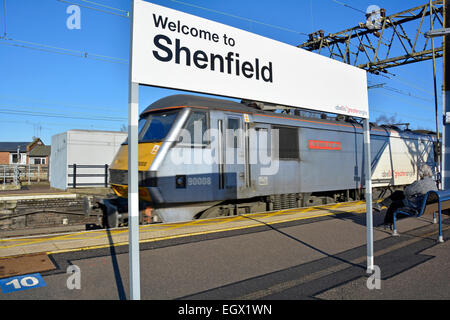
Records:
x=24, y=152
x=39, y=155
x=9, y=154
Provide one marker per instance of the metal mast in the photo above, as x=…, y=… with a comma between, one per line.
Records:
x=392, y=41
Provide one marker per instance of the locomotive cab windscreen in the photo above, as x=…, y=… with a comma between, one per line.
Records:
x=155, y=128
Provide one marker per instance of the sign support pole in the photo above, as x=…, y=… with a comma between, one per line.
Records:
x=438, y=139
x=445, y=176
x=133, y=182
x=368, y=185
x=154, y=65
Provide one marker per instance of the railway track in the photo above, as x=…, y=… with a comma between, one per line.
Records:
x=32, y=215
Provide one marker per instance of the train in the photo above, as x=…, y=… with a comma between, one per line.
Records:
x=202, y=157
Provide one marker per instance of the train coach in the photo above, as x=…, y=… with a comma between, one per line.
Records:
x=202, y=157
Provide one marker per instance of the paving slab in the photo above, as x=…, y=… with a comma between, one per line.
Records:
x=25, y=264
x=427, y=281
x=233, y=258
x=155, y=232
x=58, y=243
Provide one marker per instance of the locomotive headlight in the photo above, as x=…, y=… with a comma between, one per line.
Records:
x=180, y=181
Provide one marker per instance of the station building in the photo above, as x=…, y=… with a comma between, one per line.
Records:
x=81, y=158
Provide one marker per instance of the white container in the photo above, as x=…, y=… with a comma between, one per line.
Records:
x=82, y=148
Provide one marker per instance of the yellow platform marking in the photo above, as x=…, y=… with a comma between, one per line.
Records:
x=99, y=234
x=195, y=233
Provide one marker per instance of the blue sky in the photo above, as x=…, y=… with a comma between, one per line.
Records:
x=43, y=93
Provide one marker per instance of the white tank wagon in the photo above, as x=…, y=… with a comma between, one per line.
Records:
x=202, y=157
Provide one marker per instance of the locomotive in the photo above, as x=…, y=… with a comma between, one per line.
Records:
x=203, y=157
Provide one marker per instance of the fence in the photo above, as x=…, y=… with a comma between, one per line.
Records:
x=24, y=173
x=77, y=173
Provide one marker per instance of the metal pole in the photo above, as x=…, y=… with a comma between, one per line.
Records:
x=438, y=160
x=368, y=185
x=441, y=237
x=446, y=106
x=133, y=188
x=16, y=168
x=74, y=176
x=106, y=175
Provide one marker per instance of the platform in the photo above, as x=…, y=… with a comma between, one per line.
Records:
x=96, y=239
x=317, y=252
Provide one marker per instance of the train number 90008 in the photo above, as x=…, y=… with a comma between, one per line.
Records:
x=204, y=181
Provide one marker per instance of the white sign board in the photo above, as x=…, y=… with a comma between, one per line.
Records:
x=176, y=50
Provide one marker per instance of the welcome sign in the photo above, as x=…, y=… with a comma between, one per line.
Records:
x=229, y=63
x=176, y=50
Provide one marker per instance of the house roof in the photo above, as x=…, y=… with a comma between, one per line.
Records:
x=12, y=146
x=34, y=143
x=40, y=151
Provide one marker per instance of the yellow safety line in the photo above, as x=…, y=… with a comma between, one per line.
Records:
x=35, y=241
x=165, y=228
x=103, y=234
x=225, y=220
x=106, y=234
x=5, y=240
x=65, y=236
x=197, y=233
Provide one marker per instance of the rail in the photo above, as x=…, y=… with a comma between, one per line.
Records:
x=76, y=168
x=433, y=201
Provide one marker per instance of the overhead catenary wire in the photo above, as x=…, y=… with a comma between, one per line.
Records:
x=57, y=124
x=239, y=17
x=410, y=103
x=347, y=6
x=45, y=111
x=407, y=83
x=127, y=14
x=59, y=50
x=389, y=88
x=71, y=113
x=83, y=54
x=53, y=127
x=25, y=113
x=7, y=110
x=94, y=56
x=59, y=104
x=102, y=5
x=375, y=110
x=4, y=16
x=405, y=93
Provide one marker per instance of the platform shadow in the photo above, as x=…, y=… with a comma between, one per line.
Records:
x=357, y=218
x=115, y=264
x=360, y=218
x=307, y=244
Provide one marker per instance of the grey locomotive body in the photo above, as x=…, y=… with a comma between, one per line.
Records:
x=202, y=157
